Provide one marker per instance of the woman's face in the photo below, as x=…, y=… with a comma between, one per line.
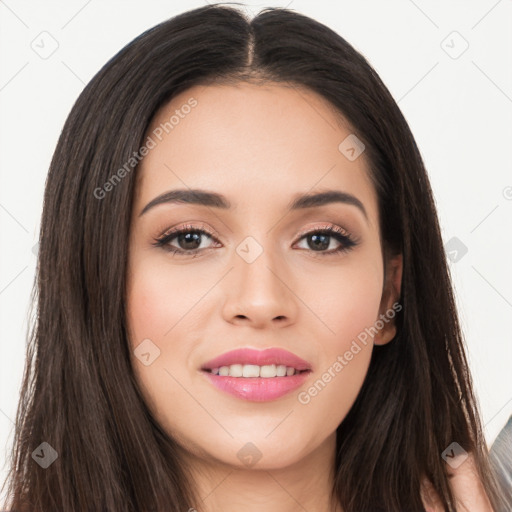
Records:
x=263, y=275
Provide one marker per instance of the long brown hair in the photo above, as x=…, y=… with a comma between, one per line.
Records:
x=79, y=394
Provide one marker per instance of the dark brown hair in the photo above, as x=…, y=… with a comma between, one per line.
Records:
x=79, y=393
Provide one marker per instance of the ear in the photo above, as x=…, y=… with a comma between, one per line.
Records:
x=390, y=297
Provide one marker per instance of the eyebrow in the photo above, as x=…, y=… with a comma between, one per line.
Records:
x=215, y=200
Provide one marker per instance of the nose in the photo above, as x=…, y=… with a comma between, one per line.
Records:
x=260, y=294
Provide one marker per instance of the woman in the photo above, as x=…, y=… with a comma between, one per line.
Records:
x=243, y=295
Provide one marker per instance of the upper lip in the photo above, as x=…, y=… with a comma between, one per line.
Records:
x=277, y=356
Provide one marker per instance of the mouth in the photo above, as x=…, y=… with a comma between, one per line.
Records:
x=257, y=375
x=267, y=371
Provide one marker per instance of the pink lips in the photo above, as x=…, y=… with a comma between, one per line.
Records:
x=259, y=357
x=258, y=389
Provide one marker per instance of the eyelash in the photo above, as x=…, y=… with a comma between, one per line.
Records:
x=347, y=242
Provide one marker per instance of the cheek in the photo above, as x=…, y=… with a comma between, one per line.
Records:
x=348, y=307
x=346, y=300
x=158, y=299
x=154, y=311
x=147, y=305
x=162, y=305
x=150, y=314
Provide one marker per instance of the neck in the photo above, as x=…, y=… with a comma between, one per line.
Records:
x=303, y=485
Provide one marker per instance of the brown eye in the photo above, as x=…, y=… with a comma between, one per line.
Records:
x=319, y=240
x=187, y=240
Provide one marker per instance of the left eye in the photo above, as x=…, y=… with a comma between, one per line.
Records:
x=320, y=239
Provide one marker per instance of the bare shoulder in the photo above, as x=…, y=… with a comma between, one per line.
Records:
x=467, y=487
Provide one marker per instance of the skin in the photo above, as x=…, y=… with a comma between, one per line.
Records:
x=259, y=146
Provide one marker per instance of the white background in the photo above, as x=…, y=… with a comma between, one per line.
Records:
x=459, y=110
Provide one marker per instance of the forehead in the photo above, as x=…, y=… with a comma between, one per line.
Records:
x=252, y=143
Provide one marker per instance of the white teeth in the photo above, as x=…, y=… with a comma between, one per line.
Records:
x=268, y=371
x=253, y=370
x=235, y=370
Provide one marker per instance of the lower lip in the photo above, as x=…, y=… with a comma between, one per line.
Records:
x=257, y=389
